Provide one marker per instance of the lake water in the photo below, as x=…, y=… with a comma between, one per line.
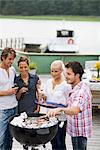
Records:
x=87, y=34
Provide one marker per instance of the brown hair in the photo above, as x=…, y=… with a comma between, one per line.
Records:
x=6, y=51
x=23, y=59
x=76, y=67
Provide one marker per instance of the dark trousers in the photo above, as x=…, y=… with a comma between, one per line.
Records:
x=79, y=143
x=58, y=142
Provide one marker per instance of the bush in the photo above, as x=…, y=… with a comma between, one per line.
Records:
x=32, y=66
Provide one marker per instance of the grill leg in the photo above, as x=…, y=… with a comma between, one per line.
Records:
x=44, y=146
x=34, y=148
x=25, y=147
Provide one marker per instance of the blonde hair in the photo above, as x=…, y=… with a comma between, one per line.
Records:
x=62, y=66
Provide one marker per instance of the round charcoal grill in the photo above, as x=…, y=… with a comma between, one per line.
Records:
x=33, y=137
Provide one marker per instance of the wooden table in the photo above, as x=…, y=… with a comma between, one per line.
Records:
x=95, y=89
x=96, y=98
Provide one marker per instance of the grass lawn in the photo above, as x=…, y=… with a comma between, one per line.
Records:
x=67, y=18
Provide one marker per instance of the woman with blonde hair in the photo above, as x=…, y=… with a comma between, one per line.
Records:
x=56, y=90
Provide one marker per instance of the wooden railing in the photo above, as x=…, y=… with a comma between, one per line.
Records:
x=16, y=43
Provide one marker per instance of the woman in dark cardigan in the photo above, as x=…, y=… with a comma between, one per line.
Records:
x=28, y=88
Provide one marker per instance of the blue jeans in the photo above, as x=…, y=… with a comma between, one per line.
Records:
x=79, y=143
x=5, y=136
x=58, y=142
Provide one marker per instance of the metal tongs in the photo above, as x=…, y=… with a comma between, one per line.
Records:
x=44, y=117
x=61, y=117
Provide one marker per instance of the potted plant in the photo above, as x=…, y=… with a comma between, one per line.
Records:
x=33, y=68
x=98, y=68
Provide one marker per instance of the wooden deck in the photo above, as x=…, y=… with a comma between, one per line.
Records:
x=94, y=142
